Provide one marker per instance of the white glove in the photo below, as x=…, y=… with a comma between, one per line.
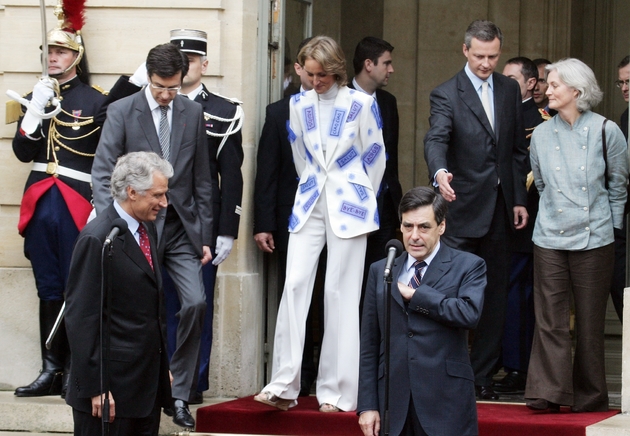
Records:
x=140, y=77
x=223, y=249
x=43, y=92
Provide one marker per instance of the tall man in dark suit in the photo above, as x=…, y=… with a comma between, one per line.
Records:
x=159, y=120
x=372, y=67
x=477, y=158
x=223, y=120
x=437, y=298
x=518, y=331
x=121, y=331
x=619, y=277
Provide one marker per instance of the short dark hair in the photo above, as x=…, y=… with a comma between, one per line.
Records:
x=541, y=61
x=166, y=60
x=483, y=30
x=370, y=48
x=528, y=67
x=423, y=196
x=625, y=61
x=302, y=44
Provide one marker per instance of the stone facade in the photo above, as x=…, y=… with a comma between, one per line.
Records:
x=428, y=39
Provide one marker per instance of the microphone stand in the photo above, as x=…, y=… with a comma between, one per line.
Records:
x=388, y=315
x=106, y=283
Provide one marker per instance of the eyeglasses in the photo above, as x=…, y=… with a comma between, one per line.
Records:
x=620, y=83
x=162, y=89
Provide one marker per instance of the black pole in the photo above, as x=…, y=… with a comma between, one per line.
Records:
x=388, y=316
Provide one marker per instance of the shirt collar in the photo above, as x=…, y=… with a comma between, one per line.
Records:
x=152, y=103
x=411, y=260
x=358, y=88
x=131, y=221
x=476, y=81
x=194, y=93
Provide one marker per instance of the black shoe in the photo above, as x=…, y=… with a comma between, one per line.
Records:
x=512, y=383
x=542, y=405
x=182, y=416
x=486, y=393
x=197, y=398
x=47, y=383
x=168, y=411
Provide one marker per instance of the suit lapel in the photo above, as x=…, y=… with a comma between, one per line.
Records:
x=134, y=252
x=334, y=131
x=438, y=267
x=499, y=97
x=309, y=112
x=178, y=124
x=145, y=120
x=469, y=96
x=399, y=265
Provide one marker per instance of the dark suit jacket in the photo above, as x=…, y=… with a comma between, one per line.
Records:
x=461, y=140
x=429, y=345
x=139, y=366
x=624, y=123
x=390, y=184
x=129, y=127
x=228, y=192
x=276, y=177
x=523, y=238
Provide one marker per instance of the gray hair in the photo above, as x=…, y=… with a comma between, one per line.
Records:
x=136, y=170
x=577, y=75
x=484, y=31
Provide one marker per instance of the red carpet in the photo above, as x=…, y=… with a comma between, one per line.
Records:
x=246, y=416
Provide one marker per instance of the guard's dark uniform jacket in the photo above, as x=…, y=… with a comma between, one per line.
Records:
x=226, y=162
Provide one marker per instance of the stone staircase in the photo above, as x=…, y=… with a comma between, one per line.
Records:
x=48, y=416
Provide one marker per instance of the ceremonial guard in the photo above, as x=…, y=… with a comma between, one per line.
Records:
x=58, y=132
x=223, y=121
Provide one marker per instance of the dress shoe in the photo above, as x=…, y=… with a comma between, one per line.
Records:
x=168, y=411
x=486, y=393
x=512, y=383
x=47, y=383
x=541, y=404
x=197, y=398
x=182, y=416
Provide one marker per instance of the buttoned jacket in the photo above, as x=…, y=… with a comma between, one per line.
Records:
x=577, y=212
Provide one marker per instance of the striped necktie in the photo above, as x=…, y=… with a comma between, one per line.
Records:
x=165, y=134
x=417, y=277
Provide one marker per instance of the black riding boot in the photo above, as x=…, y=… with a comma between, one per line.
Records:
x=49, y=381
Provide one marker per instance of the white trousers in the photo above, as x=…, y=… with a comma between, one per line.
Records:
x=338, y=374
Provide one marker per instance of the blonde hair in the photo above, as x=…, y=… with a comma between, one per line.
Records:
x=325, y=51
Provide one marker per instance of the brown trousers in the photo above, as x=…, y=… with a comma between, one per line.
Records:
x=552, y=374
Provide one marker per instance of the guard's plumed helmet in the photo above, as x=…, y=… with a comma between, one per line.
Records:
x=70, y=19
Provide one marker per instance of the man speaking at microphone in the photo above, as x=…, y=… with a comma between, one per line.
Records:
x=135, y=376
x=438, y=297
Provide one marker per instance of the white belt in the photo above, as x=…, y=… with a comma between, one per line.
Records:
x=62, y=171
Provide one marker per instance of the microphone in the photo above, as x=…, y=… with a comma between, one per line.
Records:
x=119, y=225
x=393, y=248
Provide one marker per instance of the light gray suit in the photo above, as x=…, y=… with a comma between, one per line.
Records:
x=129, y=127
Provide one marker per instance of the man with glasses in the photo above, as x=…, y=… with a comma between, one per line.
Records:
x=619, y=276
x=622, y=83
x=158, y=119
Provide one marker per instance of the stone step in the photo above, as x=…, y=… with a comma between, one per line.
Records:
x=51, y=415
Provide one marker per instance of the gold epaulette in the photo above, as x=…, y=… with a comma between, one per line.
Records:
x=101, y=90
x=544, y=114
x=13, y=112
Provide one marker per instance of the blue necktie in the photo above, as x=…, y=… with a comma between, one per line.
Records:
x=417, y=277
